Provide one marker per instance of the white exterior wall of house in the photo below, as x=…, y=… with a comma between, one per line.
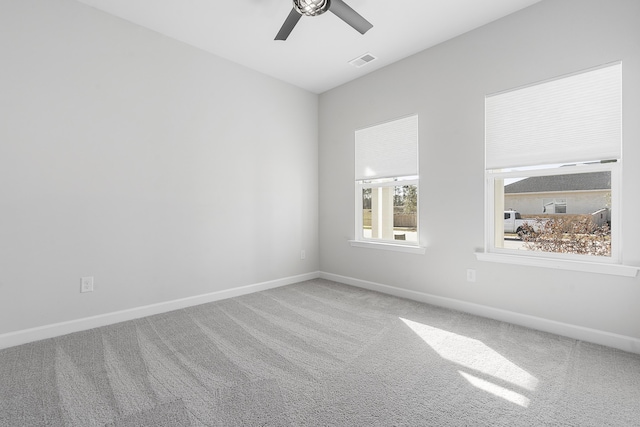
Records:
x=578, y=202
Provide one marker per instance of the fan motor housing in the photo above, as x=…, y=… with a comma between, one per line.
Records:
x=311, y=7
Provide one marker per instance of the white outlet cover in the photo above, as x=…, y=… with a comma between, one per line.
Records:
x=471, y=275
x=86, y=284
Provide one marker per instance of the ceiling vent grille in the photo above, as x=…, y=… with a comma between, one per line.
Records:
x=362, y=60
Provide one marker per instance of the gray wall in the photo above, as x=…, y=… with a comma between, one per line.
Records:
x=161, y=170
x=446, y=86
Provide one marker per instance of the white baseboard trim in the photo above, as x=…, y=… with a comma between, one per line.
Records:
x=57, y=329
x=581, y=333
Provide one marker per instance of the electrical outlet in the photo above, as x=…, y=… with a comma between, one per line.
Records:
x=86, y=284
x=471, y=275
x=303, y=254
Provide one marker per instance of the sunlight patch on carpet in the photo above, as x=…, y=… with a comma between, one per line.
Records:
x=496, y=390
x=477, y=356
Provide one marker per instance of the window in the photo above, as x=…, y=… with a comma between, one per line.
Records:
x=555, y=205
x=386, y=181
x=535, y=223
x=553, y=158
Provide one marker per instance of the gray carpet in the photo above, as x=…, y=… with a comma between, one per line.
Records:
x=317, y=354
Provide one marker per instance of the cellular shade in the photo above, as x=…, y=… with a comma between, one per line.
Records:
x=388, y=150
x=571, y=119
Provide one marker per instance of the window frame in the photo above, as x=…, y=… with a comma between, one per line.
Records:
x=393, y=182
x=512, y=140
x=412, y=177
x=616, y=224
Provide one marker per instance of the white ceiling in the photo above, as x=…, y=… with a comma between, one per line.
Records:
x=317, y=53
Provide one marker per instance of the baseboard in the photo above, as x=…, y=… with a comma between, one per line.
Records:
x=608, y=339
x=54, y=330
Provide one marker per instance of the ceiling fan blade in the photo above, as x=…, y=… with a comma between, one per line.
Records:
x=288, y=25
x=350, y=16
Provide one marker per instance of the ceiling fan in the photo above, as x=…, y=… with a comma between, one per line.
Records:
x=318, y=7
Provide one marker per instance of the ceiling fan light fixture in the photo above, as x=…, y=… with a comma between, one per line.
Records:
x=311, y=7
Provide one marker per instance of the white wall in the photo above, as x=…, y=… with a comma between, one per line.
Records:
x=161, y=170
x=446, y=86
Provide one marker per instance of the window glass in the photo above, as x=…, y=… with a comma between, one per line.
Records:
x=390, y=212
x=538, y=218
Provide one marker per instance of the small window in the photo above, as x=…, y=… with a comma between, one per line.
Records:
x=387, y=182
x=554, y=206
x=553, y=160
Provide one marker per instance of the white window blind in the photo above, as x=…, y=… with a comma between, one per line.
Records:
x=571, y=119
x=387, y=150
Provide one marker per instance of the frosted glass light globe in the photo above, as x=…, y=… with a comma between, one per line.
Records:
x=311, y=7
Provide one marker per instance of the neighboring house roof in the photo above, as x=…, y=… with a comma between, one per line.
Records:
x=572, y=182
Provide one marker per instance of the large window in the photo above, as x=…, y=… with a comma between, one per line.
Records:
x=553, y=159
x=386, y=173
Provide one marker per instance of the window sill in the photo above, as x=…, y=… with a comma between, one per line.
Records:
x=420, y=250
x=589, y=267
